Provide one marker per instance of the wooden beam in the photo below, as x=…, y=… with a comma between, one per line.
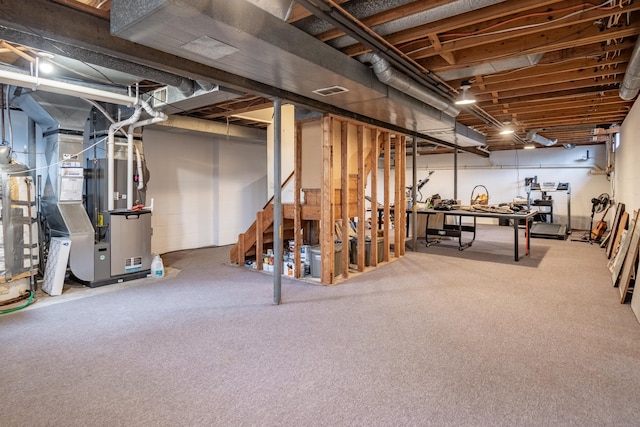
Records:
x=362, y=212
x=344, y=179
x=387, y=196
x=534, y=38
x=463, y=20
x=234, y=111
x=101, y=13
x=549, y=90
x=17, y=51
x=570, y=36
x=387, y=16
x=327, y=219
x=448, y=56
x=398, y=190
x=241, y=250
x=297, y=218
x=375, y=153
x=545, y=81
x=259, y=238
x=298, y=12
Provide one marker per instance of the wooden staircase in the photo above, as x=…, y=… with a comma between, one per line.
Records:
x=301, y=219
x=259, y=236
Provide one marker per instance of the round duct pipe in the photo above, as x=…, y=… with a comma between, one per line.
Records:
x=389, y=76
x=532, y=136
x=630, y=85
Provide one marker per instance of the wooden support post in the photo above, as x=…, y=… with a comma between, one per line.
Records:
x=297, y=209
x=344, y=180
x=398, y=207
x=387, y=190
x=327, y=216
x=362, y=212
x=241, y=251
x=403, y=194
x=259, y=238
x=375, y=153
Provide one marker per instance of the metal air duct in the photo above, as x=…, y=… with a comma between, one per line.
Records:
x=532, y=136
x=240, y=38
x=387, y=75
x=62, y=119
x=631, y=83
x=278, y=8
x=171, y=99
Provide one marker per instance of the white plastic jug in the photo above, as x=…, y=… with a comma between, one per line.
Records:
x=157, y=268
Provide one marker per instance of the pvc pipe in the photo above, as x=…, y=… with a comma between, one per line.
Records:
x=140, y=171
x=158, y=117
x=48, y=85
x=110, y=153
x=130, y=168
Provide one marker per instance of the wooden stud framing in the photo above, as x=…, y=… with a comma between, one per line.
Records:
x=327, y=216
x=259, y=238
x=241, y=250
x=344, y=179
x=362, y=212
x=398, y=210
x=375, y=152
x=297, y=208
x=387, y=194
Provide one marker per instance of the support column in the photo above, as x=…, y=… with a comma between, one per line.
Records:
x=277, y=202
x=414, y=194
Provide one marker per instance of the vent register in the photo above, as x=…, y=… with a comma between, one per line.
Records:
x=262, y=47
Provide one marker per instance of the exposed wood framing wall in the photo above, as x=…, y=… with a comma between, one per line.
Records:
x=297, y=220
x=327, y=217
x=375, y=153
x=350, y=152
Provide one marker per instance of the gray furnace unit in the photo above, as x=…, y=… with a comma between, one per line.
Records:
x=106, y=246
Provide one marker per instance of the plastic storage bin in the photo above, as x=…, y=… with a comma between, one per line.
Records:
x=316, y=260
x=353, y=254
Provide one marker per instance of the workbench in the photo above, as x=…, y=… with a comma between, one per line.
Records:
x=468, y=229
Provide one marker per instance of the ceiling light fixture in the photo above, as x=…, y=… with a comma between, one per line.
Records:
x=506, y=128
x=529, y=147
x=45, y=67
x=464, y=97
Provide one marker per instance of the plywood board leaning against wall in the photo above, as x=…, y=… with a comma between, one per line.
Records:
x=630, y=259
x=622, y=229
x=615, y=224
x=619, y=260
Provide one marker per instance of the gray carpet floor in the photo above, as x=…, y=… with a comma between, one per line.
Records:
x=439, y=337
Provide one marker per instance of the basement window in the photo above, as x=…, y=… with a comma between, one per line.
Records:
x=331, y=90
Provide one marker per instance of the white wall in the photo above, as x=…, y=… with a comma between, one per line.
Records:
x=287, y=145
x=503, y=174
x=206, y=188
x=240, y=185
x=626, y=161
